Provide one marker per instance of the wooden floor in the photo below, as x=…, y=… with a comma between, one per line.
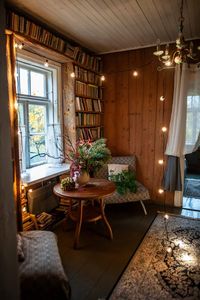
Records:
x=94, y=269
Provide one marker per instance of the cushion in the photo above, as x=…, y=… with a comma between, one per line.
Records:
x=20, y=252
x=114, y=169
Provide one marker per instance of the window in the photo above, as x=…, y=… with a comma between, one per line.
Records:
x=38, y=111
x=193, y=120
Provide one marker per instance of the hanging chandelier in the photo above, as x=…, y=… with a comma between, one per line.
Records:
x=182, y=53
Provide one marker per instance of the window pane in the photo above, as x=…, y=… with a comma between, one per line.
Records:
x=23, y=81
x=37, y=149
x=21, y=114
x=189, y=126
x=38, y=82
x=37, y=118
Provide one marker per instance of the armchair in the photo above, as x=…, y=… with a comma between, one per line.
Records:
x=142, y=192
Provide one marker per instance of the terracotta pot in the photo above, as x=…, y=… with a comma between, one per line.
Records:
x=83, y=178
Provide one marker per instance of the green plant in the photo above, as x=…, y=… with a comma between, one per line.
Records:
x=125, y=182
x=67, y=184
x=88, y=156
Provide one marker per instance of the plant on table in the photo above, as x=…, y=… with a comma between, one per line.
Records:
x=88, y=156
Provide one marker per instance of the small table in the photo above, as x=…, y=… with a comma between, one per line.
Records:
x=95, y=189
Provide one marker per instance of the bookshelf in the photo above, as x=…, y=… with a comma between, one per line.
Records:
x=88, y=99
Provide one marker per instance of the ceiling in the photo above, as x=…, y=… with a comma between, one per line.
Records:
x=115, y=25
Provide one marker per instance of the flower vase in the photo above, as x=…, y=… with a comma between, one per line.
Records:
x=83, y=178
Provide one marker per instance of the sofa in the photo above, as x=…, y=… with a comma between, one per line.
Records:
x=142, y=193
x=41, y=272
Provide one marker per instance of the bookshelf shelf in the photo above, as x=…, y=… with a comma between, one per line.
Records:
x=89, y=104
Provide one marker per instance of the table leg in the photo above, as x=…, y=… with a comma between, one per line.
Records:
x=102, y=206
x=78, y=224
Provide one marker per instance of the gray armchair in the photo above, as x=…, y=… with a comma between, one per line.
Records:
x=142, y=193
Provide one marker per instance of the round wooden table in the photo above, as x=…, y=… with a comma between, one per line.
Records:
x=93, y=192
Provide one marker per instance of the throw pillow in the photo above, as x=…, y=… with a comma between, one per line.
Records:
x=114, y=169
x=20, y=252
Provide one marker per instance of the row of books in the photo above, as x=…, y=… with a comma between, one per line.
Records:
x=83, y=119
x=87, y=76
x=88, y=90
x=89, y=133
x=91, y=62
x=88, y=104
x=28, y=223
x=23, y=25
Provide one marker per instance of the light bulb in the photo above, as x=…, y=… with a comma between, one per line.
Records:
x=24, y=209
x=135, y=73
x=16, y=45
x=46, y=64
x=178, y=59
x=20, y=46
x=30, y=190
x=160, y=191
x=162, y=98
x=160, y=161
x=169, y=249
x=72, y=74
x=164, y=129
x=168, y=63
x=166, y=217
x=103, y=78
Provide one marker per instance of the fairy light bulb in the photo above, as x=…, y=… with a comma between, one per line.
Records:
x=24, y=209
x=72, y=74
x=160, y=161
x=169, y=249
x=46, y=64
x=162, y=98
x=164, y=129
x=16, y=45
x=30, y=190
x=166, y=217
x=135, y=73
x=103, y=78
x=20, y=46
x=160, y=191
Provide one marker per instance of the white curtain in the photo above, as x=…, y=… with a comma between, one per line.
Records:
x=186, y=91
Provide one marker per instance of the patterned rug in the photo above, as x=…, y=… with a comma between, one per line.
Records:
x=166, y=264
x=192, y=188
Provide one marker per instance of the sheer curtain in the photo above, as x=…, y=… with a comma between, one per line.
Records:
x=186, y=96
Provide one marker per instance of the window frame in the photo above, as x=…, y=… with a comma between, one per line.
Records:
x=51, y=100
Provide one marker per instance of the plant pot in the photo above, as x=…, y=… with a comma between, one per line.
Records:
x=83, y=178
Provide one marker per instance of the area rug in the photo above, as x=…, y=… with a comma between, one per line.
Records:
x=166, y=265
x=192, y=188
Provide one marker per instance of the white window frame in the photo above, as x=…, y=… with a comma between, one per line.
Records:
x=53, y=105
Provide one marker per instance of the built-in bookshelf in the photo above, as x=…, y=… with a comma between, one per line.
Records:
x=38, y=33
x=88, y=102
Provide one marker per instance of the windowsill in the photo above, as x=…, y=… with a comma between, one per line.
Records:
x=42, y=173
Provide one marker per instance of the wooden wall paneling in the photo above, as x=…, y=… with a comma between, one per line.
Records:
x=137, y=99
x=135, y=105
x=122, y=91
x=109, y=96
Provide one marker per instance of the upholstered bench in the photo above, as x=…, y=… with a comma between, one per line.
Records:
x=142, y=193
x=41, y=272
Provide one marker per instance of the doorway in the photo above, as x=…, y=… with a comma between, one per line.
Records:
x=191, y=194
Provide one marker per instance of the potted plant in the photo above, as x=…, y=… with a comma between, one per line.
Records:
x=87, y=157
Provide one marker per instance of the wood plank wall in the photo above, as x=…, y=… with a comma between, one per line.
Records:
x=134, y=114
